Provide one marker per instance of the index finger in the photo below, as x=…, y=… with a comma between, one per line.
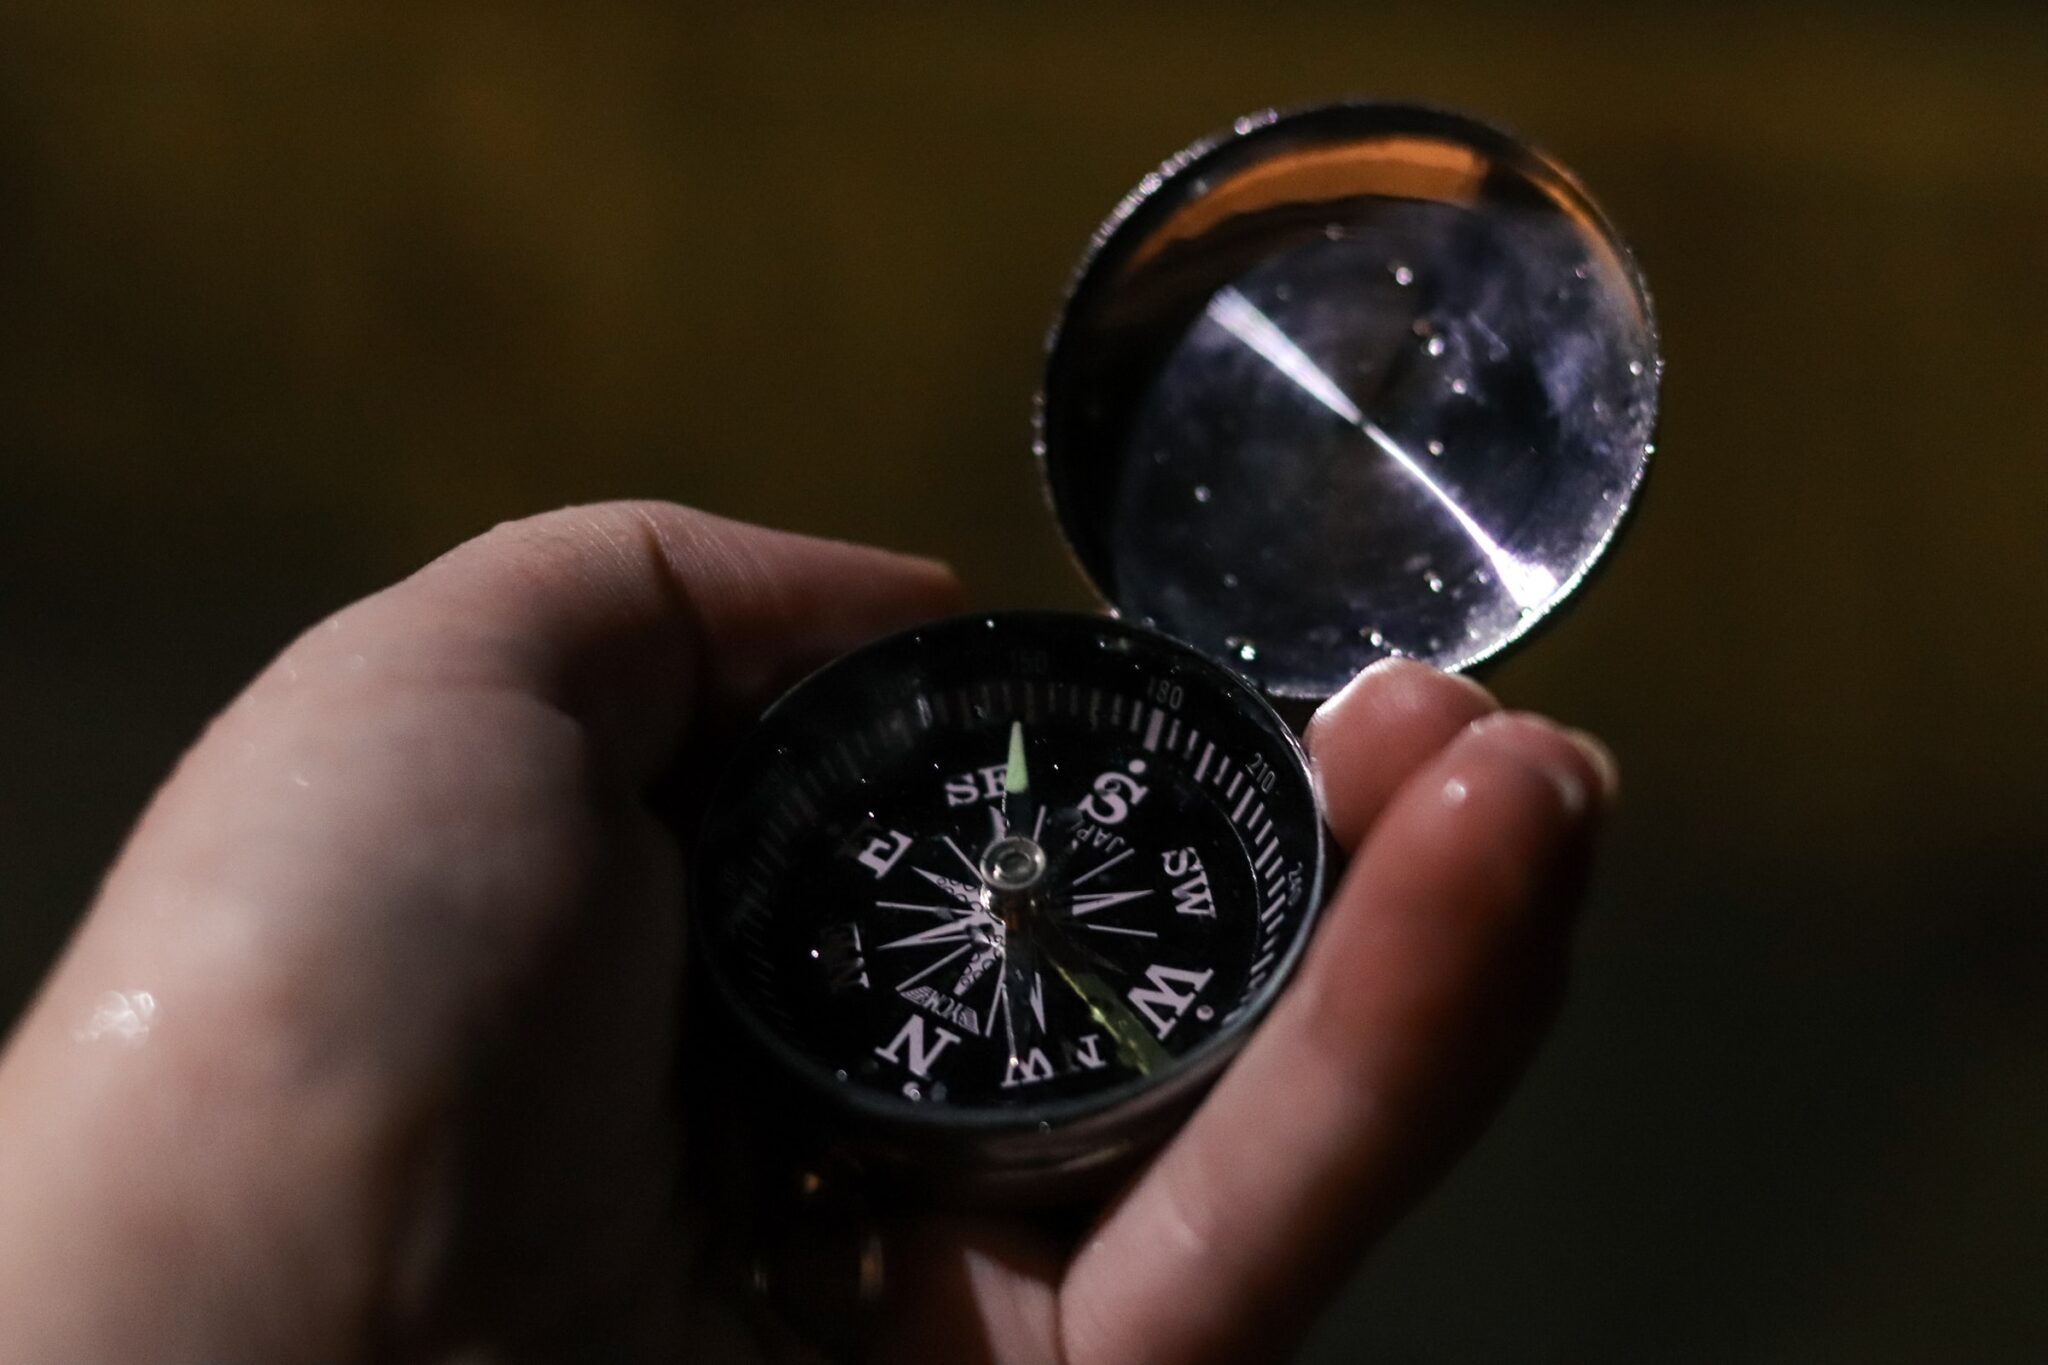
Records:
x=636, y=618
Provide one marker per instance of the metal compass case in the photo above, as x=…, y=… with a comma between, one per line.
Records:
x=996, y=899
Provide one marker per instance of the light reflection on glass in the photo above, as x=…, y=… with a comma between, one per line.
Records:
x=1530, y=585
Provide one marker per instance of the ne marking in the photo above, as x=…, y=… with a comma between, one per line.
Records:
x=1208, y=753
x=1242, y=802
x=1152, y=728
x=1113, y=929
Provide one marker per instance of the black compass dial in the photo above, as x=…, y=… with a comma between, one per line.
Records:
x=1009, y=869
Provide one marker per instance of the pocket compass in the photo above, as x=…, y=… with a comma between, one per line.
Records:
x=998, y=897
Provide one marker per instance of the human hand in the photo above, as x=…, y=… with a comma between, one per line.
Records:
x=371, y=1047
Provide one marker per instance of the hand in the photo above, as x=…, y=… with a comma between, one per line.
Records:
x=369, y=1047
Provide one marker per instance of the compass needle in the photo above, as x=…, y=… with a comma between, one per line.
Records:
x=1017, y=774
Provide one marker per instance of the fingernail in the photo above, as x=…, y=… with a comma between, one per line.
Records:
x=1533, y=739
x=1601, y=757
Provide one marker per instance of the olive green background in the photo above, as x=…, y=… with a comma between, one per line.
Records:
x=291, y=298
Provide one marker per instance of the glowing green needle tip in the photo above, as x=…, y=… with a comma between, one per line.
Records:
x=1018, y=778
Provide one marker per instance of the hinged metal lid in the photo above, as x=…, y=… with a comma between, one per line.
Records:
x=1348, y=382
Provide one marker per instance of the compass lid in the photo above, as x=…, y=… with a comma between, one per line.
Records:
x=1348, y=382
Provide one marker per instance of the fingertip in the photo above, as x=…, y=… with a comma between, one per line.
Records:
x=1397, y=683
x=1387, y=722
x=1578, y=766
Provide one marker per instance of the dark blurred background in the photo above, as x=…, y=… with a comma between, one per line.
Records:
x=291, y=298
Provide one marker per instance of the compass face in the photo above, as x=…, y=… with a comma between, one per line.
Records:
x=1009, y=869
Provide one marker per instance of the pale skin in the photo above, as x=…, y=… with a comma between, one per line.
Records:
x=411, y=1078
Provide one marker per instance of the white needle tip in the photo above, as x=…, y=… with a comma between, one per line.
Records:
x=1018, y=777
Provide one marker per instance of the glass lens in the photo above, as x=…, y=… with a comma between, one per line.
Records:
x=1360, y=381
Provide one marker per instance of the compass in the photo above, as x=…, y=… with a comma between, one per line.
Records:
x=1002, y=874
x=995, y=899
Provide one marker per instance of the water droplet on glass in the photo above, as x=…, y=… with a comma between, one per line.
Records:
x=1283, y=292
x=1403, y=275
x=1375, y=639
x=1230, y=580
x=1244, y=125
x=1201, y=492
x=1421, y=327
x=1435, y=346
x=1457, y=386
x=1334, y=231
x=1579, y=271
x=1635, y=367
x=1435, y=447
x=1435, y=582
x=1242, y=648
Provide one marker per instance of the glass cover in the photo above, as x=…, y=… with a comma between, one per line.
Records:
x=1356, y=381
